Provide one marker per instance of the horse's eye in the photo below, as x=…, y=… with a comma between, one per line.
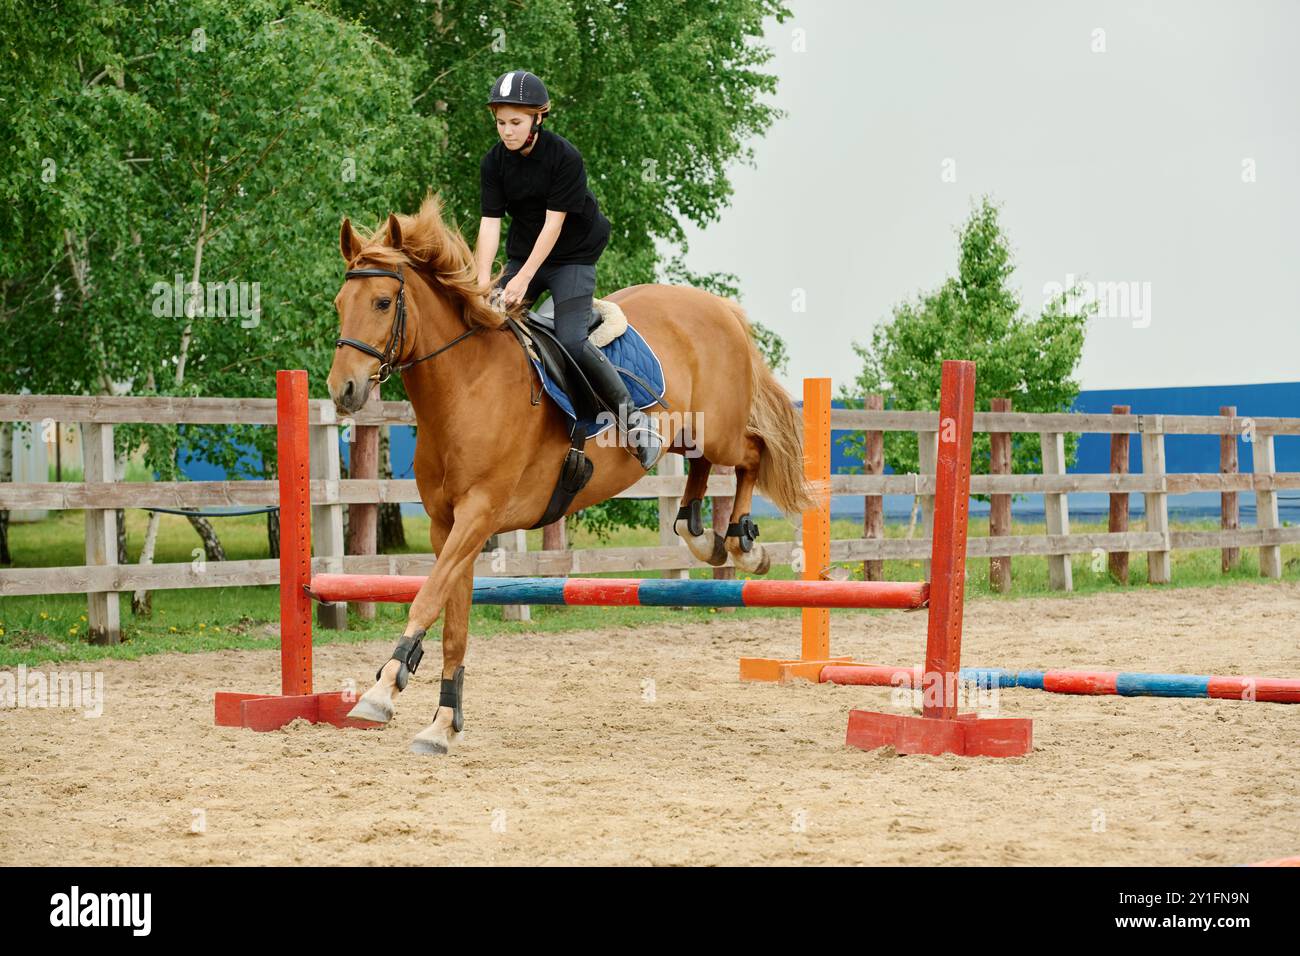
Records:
x=383, y=304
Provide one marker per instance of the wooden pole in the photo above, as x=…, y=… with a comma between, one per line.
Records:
x=102, y=612
x=873, y=514
x=672, y=465
x=1230, y=506
x=722, y=515
x=1118, y=560
x=1156, y=503
x=722, y=508
x=1056, y=511
x=1000, y=505
x=555, y=536
x=327, y=519
x=1263, y=462
x=363, y=519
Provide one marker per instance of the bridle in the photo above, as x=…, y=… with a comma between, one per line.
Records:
x=397, y=334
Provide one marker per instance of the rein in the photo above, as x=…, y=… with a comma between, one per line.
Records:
x=396, y=334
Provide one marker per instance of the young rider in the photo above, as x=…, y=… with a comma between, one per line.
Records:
x=557, y=233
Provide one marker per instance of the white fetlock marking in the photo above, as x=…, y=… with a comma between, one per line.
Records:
x=700, y=545
x=438, y=737
x=749, y=561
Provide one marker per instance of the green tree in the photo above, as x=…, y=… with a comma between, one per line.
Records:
x=974, y=315
x=208, y=142
x=223, y=140
x=661, y=97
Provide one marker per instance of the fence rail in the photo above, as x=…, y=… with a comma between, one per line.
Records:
x=101, y=578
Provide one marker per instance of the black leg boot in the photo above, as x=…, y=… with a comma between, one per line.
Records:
x=642, y=438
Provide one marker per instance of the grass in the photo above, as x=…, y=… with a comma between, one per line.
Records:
x=44, y=628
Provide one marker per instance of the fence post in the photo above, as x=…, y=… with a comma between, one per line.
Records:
x=1056, y=509
x=671, y=465
x=515, y=542
x=873, y=511
x=1230, y=504
x=1000, y=505
x=327, y=518
x=555, y=535
x=363, y=518
x=1264, y=463
x=721, y=511
x=103, y=614
x=1117, y=561
x=1157, y=502
x=927, y=458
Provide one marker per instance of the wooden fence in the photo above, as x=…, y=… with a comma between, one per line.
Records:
x=99, y=495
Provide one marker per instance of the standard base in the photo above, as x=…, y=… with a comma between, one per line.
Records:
x=273, y=711
x=966, y=736
x=779, y=671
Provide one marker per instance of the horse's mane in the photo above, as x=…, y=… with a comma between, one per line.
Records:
x=439, y=253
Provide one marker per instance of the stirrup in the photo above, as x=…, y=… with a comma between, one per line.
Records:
x=648, y=427
x=644, y=446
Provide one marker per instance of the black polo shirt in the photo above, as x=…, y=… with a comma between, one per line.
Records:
x=552, y=176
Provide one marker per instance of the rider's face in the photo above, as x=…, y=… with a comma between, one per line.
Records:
x=513, y=125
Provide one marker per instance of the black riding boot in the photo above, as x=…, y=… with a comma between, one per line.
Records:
x=642, y=439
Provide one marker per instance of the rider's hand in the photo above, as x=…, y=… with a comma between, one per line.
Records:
x=515, y=290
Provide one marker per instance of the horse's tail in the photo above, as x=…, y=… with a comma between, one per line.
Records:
x=772, y=418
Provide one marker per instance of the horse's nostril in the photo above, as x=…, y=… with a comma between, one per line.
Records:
x=347, y=392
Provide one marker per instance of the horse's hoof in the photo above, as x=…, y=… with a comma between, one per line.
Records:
x=432, y=742
x=429, y=748
x=373, y=706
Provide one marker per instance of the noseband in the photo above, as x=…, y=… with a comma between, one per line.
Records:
x=397, y=334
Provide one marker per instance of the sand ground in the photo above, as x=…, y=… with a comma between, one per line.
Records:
x=565, y=760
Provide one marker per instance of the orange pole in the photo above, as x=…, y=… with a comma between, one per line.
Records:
x=817, y=523
x=293, y=450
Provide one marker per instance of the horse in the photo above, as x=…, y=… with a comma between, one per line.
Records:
x=488, y=455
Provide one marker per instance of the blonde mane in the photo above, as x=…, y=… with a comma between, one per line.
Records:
x=437, y=252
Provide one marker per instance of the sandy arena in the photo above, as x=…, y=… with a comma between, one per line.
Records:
x=564, y=761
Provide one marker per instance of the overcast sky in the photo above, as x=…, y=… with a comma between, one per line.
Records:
x=1127, y=165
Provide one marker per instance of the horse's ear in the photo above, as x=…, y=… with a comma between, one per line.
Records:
x=349, y=241
x=394, y=231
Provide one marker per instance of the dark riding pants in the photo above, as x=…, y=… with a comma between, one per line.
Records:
x=572, y=287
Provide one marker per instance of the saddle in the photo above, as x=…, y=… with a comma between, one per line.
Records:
x=536, y=335
x=545, y=315
x=606, y=323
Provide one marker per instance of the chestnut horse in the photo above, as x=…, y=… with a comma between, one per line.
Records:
x=487, y=458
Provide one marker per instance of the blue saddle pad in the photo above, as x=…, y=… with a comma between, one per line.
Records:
x=628, y=353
